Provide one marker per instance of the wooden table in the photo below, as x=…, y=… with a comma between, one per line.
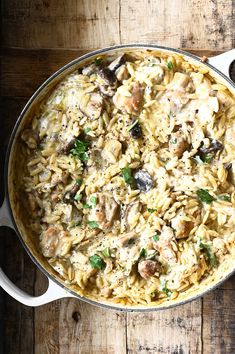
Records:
x=38, y=37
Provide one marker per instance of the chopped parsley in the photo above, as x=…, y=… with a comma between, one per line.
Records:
x=166, y=290
x=92, y=224
x=127, y=175
x=106, y=252
x=77, y=197
x=80, y=150
x=93, y=200
x=87, y=206
x=174, y=141
x=97, y=262
x=87, y=130
x=143, y=253
x=170, y=65
x=205, y=196
x=98, y=61
x=79, y=182
x=198, y=160
x=225, y=197
x=210, y=256
x=150, y=210
x=205, y=158
x=156, y=236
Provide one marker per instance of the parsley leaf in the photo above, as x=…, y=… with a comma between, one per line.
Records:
x=225, y=197
x=210, y=256
x=170, y=65
x=77, y=197
x=97, y=262
x=127, y=175
x=106, y=252
x=86, y=130
x=156, y=236
x=205, y=196
x=79, y=182
x=93, y=200
x=92, y=224
x=87, y=206
x=98, y=61
x=143, y=253
x=80, y=150
x=151, y=210
x=166, y=290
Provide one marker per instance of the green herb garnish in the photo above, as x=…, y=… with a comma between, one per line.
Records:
x=132, y=125
x=198, y=160
x=92, y=224
x=174, y=141
x=156, y=236
x=166, y=290
x=127, y=175
x=106, y=252
x=86, y=130
x=151, y=210
x=93, y=200
x=77, y=197
x=210, y=256
x=79, y=182
x=225, y=197
x=97, y=262
x=170, y=65
x=208, y=158
x=205, y=196
x=87, y=206
x=143, y=253
x=98, y=61
x=80, y=150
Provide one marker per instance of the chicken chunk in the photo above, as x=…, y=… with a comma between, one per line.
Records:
x=55, y=242
x=94, y=106
x=182, y=227
x=180, y=81
x=178, y=144
x=147, y=268
x=106, y=210
x=164, y=246
x=112, y=150
x=131, y=104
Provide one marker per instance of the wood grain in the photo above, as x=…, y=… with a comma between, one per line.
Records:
x=38, y=37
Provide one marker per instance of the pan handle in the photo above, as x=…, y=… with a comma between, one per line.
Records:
x=53, y=292
x=223, y=61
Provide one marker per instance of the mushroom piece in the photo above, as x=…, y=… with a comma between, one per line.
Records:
x=126, y=239
x=182, y=227
x=112, y=150
x=89, y=70
x=214, y=146
x=115, y=64
x=65, y=149
x=129, y=215
x=105, y=211
x=131, y=104
x=107, y=76
x=31, y=138
x=94, y=106
x=178, y=144
x=147, y=268
x=143, y=180
x=164, y=246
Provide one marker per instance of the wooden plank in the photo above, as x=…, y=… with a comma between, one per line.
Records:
x=219, y=322
x=60, y=23
x=76, y=327
x=174, y=331
x=18, y=81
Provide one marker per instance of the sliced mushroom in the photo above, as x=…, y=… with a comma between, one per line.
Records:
x=105, y=211
x=94, y=106
x=182, y=227
x=214, y=146
x=115, y=64
x=31, y=138
x=143, y=180
x=67, y=146
x=112, y=150
x=126, y=239
x=178, y=144
x=147, y=268
x=107, y=76
x=136, y=131
x=129, y=215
